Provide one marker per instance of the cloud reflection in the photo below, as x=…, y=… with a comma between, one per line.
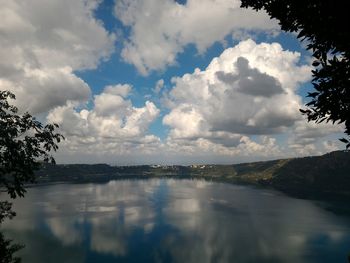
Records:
x=179, y=221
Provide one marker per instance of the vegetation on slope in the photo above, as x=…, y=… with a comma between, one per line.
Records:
x=327, y=174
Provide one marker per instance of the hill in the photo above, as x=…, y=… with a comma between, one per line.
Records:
x=328, y=174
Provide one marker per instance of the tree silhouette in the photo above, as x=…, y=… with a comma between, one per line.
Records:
x=24, y=144
x=324, y=26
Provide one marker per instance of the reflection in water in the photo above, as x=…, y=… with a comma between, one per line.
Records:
x=174, y=221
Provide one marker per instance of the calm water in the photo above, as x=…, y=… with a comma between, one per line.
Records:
x=174, y=221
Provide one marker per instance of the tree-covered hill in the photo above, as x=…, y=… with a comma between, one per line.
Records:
x=326, y=174
x=329, y=173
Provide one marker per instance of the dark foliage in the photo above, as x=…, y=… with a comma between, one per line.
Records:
x=320, y=175
x=7, y=250
x=324, y=26
x=24, y=144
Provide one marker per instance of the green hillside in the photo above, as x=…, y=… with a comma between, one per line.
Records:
x=329, y=173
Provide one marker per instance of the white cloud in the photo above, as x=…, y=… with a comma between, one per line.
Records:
x=248, y=90
x=240, y=102
x=224, y=149
x=161, y=29
x=251, y=81
x=159, y=86
x=39, y=90
x=42, y=43
x=308, y=138
x=234, y=108
x=330, y=146
x=119, y=89
x=113, y=125
x=54, y=33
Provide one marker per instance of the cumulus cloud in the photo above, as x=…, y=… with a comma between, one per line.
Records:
x=159, y=86
x=113, y=125
x=307, y=138
x=232, y=109
x=251, y=81
x=161, y=29
x=43, y=43
x=119, y=89
x=247, y=90
x=39, y=90
x=224, y=149
x=240, y=102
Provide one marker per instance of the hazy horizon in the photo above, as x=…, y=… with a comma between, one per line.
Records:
x=189, y=162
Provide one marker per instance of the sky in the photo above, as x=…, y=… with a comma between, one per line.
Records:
x=160, y=81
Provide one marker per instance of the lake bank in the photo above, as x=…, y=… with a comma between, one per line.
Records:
x=326, y=176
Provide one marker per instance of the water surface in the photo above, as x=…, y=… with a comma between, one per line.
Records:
x=165, y=220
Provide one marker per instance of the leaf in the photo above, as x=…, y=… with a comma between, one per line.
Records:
x=312, y=94
x=344, y=140
x=316, y=63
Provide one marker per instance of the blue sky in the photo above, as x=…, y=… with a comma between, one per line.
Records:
x=150, y=81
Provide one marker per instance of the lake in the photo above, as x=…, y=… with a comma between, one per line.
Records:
x=167, y=220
